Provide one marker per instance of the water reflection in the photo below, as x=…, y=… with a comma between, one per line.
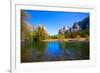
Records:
x=54, y=51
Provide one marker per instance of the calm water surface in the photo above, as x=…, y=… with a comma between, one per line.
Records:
x=54, y=51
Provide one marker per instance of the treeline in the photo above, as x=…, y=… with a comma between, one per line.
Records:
x=41, y=34
x=37, y=34
x=79, y=34
x=29, y=33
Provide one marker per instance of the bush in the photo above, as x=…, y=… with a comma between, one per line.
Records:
x=61, y=36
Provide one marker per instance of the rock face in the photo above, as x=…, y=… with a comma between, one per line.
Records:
x=84, y=24
x=30, y=27
x=60, y=31
x=77, y=26
x=63, y=30
x=74, y=28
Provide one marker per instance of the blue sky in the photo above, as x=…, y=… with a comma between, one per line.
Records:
x=52, y=20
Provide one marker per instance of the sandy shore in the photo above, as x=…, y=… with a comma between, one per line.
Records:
x=75, y=39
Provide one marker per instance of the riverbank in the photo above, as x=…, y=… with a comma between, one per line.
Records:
x=70, y=39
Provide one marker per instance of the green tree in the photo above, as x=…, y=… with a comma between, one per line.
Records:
x=84, y=33
x=72, y=35
x=25, y=31
x=41, y=33
x=66, y=35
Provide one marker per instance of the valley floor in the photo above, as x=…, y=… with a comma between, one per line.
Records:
x=69, y=39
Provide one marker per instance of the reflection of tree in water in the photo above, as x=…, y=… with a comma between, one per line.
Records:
x=40, y=46
x=85, y=51
x=32, y=51
x=75, y=50
x=35, y=51
x=26, y=51
x=39, y=49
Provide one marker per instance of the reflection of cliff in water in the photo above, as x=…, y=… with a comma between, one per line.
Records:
x=76, y=50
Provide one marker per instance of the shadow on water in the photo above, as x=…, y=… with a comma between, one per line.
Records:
x=34, y=51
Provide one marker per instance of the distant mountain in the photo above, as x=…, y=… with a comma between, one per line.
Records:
x=84, y=24
x=77, y=26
